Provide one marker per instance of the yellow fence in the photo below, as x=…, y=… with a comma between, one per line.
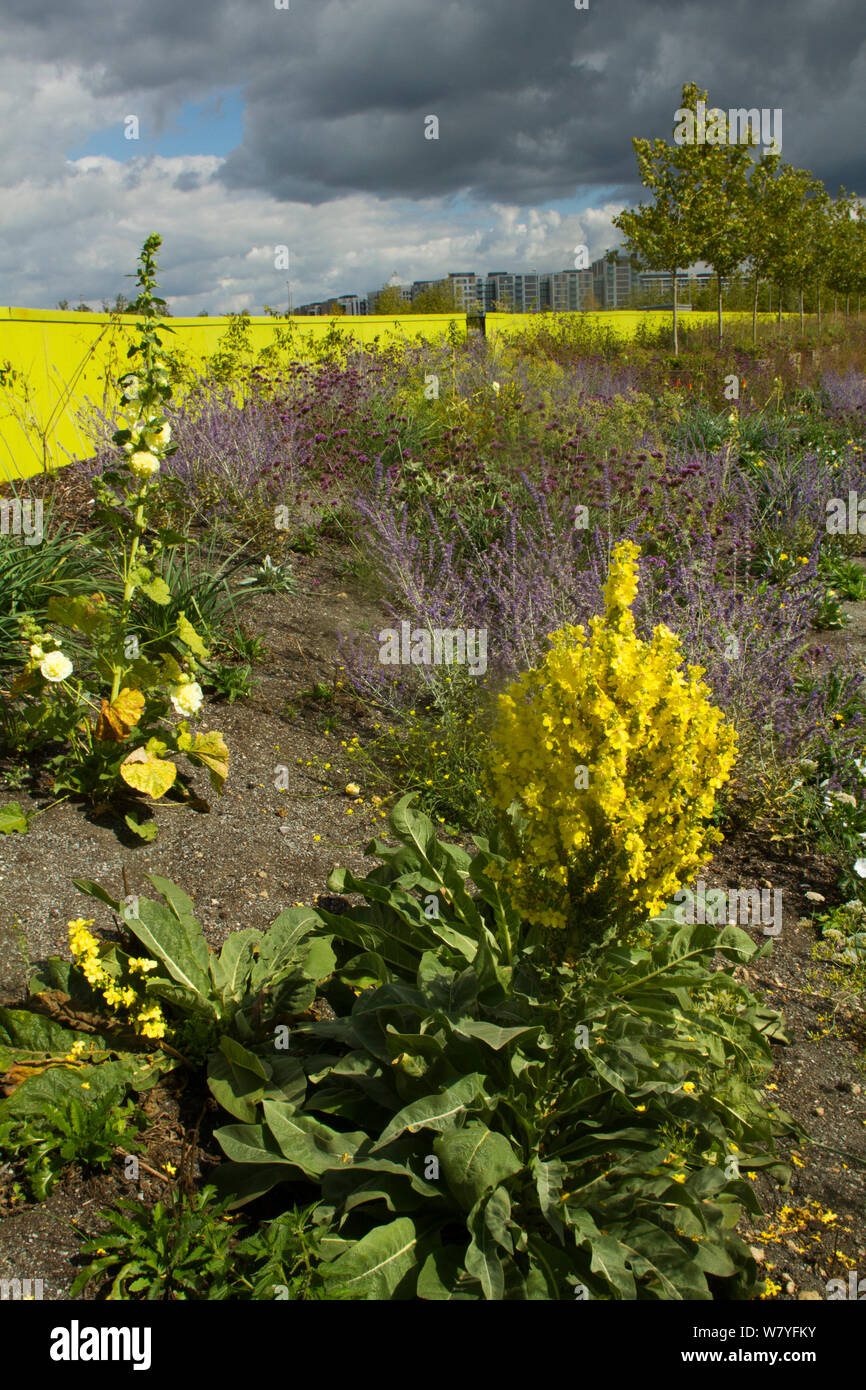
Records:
x=58, y=368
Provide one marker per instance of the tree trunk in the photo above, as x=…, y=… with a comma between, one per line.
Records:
x=719, y=280
x=779, y=315
x=819, y=310
x=676, y=326
x=847, y=306
x=801, y=308
x=755, y=314
x=835, y=302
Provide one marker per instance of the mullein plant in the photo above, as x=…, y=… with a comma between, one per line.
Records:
x=114, y=717
x=606, y=763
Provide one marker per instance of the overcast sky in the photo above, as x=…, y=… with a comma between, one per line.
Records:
x=305, y=126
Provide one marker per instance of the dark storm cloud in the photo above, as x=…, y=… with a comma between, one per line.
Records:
x=535, y=99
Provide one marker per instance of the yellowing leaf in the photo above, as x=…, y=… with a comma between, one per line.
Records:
x=129, y=705
x=116, y=719
x=190, y=638
x=85, y=614
x=211, y=751
x=157, y=590
x=147, y=774
x=109, y=728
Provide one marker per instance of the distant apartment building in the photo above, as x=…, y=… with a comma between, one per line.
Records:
x=613, y=282
x=658, y=282
x=531, y=293
x=567, y=291
x=468, y=289
x=498, y=289
x=352, y=304
x=607, y=284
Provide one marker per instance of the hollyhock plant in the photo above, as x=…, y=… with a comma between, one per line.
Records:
x=112, y=719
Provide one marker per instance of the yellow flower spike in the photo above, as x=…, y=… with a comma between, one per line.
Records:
x=620, y=709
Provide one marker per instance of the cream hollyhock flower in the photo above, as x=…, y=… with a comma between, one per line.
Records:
x=143, y=465
x=130, y=386
x=159, y=435
x=187, y=699
x=154, y=437
x=56, y=667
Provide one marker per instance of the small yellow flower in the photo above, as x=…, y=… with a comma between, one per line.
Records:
x=688, y=1087
x=353, y=789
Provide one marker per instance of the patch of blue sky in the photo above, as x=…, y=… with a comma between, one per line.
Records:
x=212, y=127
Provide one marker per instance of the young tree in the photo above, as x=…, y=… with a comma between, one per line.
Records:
x=844, y=261
x=661, y=233
x=436, y=299
x=716, y=171
x=390, y=301
x=814, y=244
x=764, y=217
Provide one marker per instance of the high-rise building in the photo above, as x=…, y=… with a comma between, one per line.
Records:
x=531, y=293
x=613, y=282
x=498, y=289
x=468, y=291
x=567, y=291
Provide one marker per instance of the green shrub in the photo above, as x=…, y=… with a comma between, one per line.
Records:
x=485, y=1124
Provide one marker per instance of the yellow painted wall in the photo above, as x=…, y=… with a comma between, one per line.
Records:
x=56, y=366
x=65, y=364
x=623, y=322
